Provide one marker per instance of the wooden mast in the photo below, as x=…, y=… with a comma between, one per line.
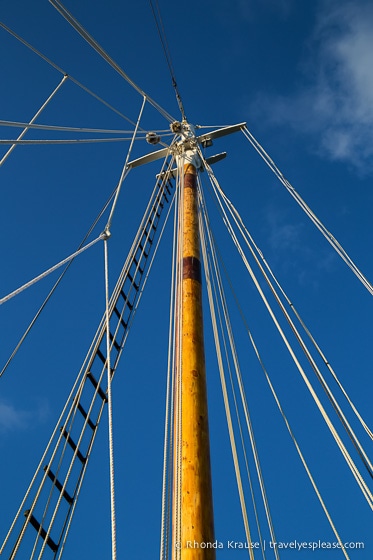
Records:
x=194, y=538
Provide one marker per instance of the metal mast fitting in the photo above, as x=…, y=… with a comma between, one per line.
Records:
x=192, y=501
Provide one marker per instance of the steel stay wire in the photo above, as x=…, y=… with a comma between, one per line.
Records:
x=281, y=409
x=69, y=141
x=61, y=71
x=355, y=471
x=95, y=45
x=110, y=406
x=125, y=168
x=37, y=314
x=218, y=290
x=163, y=38
x=287, y=424
x=250, y=243
x=50, y=270
x=40, y=110
x=226, y=399
x=296, y=313
x=249, y=240
x=320, y=226
x=17, y=124
x=169, y=427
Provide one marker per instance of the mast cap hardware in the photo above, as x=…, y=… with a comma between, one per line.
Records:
x=153, y=138
x=176, y=127
x=206, y=143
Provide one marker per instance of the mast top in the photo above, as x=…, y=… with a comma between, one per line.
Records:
x=187, y=133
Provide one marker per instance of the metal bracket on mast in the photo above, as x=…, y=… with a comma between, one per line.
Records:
x=185, y=131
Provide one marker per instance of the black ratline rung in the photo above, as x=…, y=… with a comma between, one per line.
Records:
x=58, y=485
x=115, y=343
x=85, y=415
x=94, y=381
x=73, y=446
x=126, y=300
x=42, y=532
x=122, y=321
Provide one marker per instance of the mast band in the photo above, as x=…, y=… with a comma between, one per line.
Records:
x=190, y=180
x=192, y=269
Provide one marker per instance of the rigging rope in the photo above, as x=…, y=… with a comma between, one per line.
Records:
x=19, y=139
x=250, y=243
x=220, y=296
x=50, y=270
x=225, y=395
x=71, y=141
x=95, y=45
x=169, y=409
x=297, y=447
x=110, y=404
x=70, y=408
x=178, y=363
x=163, y=38
x=125, y=167
x=17, y=124
x=41, y=308
x=244, y=231
x=320, y=226
x=362, y=484
x=304, y=463
x=71, y=78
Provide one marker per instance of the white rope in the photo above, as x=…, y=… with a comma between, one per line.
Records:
x=209, y=283
x=309, y=474
x=304, y=463
x=178, y=363
x=233, y=352
x=19, y=139
x=213, y=252
x=62, y=142
x=125, y=167
x=249, y=242
x=76, y=390
x=363, y=486
x=16, y=124
x=71, y=78
x=95, y=45
x=50, y=270
x=53, y=289
x=320, y=226
x=170, y=405
x=135, y=243
x=110, y=407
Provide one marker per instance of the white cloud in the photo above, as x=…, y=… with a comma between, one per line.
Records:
x=291, y=251
x=11, y=418
x=336, y=103
x=14, y=419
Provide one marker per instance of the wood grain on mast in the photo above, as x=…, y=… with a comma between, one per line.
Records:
x=193, y=488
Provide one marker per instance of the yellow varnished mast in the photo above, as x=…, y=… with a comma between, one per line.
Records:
x=192, y=500
x=192, y=506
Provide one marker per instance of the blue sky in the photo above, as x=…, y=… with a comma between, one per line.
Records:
x=300, y=75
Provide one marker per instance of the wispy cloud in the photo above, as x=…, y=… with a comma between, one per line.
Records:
x=336, y=99
x=15, y=419
x=11, y=418
x=291, y=251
